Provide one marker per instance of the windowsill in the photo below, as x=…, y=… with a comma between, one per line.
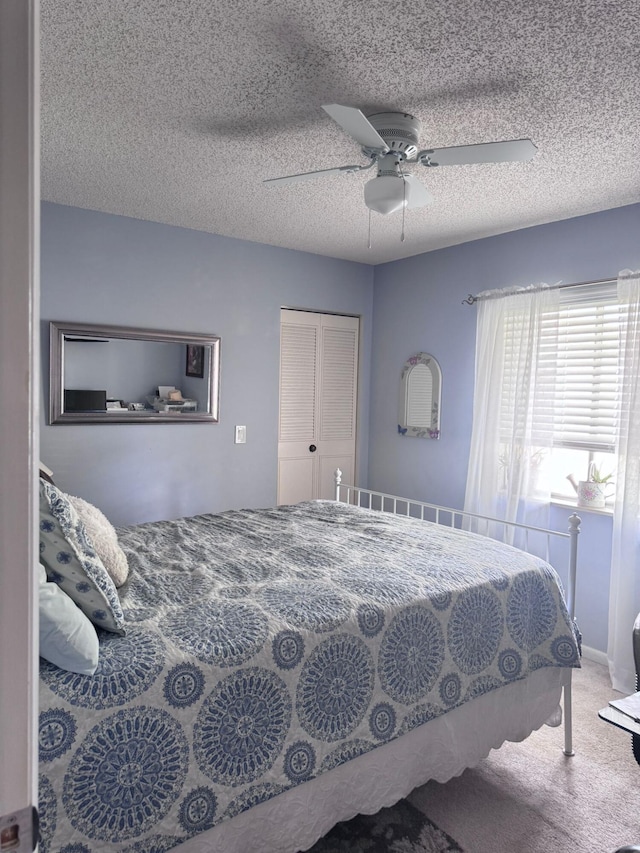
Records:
x=569, y=504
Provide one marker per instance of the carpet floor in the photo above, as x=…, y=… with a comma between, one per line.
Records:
x=530, y=798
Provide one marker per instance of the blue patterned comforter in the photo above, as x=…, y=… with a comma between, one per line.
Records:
x=265, y=647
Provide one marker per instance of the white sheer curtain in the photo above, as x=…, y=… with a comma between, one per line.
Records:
x=513, y=407
x=624, y=593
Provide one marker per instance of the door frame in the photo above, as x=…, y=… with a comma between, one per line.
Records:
x=19, y=383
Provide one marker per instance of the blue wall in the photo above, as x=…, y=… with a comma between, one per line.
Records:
x=100, y=268
x=418, y=307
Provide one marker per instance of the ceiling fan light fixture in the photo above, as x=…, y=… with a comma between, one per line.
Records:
x=386, y=194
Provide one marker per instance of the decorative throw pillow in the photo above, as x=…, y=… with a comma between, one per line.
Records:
x=67, y=637
x=71, y=561
x=103, y=537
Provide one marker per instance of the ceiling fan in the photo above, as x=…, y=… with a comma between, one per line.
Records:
x=390, y=141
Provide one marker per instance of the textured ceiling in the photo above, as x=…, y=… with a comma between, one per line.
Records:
x=176, y=110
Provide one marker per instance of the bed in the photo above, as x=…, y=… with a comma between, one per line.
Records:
x=287, y=668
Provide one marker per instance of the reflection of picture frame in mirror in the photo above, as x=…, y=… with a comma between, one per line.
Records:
x=195, y=361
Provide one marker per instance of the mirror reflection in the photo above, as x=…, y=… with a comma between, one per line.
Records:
x=107, y=374
x=420, y=385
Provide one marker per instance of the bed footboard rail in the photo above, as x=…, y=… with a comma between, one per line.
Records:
x=424, y=511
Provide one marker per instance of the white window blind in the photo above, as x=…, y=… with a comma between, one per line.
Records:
x=587, y=375
x=576, y=372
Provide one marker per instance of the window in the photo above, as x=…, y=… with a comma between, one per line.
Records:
x=577, y=387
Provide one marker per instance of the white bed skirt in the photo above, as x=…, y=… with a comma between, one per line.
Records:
x=440, y=749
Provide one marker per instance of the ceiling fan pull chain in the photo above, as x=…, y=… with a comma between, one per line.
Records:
x=404, y=204
x=369, y=243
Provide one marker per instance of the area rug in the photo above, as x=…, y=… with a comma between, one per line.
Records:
x=399, y=829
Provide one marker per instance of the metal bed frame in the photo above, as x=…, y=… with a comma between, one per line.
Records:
x=455, y=518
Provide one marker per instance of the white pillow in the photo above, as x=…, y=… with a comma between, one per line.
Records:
x=67, y=637
x=103, y=538
x=71, y=561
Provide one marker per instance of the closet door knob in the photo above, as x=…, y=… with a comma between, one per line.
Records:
x=312, y=448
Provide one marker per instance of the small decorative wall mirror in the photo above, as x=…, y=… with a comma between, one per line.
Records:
x=421, y=381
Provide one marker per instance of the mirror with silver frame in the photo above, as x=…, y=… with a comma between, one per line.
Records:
x=115, y=374
x=420, y=388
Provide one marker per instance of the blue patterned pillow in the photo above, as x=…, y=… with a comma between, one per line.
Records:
x=71, y=562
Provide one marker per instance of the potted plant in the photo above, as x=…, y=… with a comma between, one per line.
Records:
x=592, y=491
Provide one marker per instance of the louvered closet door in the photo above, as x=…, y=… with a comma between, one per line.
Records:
x=318, y=393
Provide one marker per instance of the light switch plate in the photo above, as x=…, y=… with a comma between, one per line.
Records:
x=241, y=435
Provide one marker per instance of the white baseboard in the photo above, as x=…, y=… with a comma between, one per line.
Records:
x=595, y=655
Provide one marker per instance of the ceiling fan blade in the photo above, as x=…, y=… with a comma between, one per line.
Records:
x=310, y=176
x=484, y=152
x=418, y=194
x=357, y=125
